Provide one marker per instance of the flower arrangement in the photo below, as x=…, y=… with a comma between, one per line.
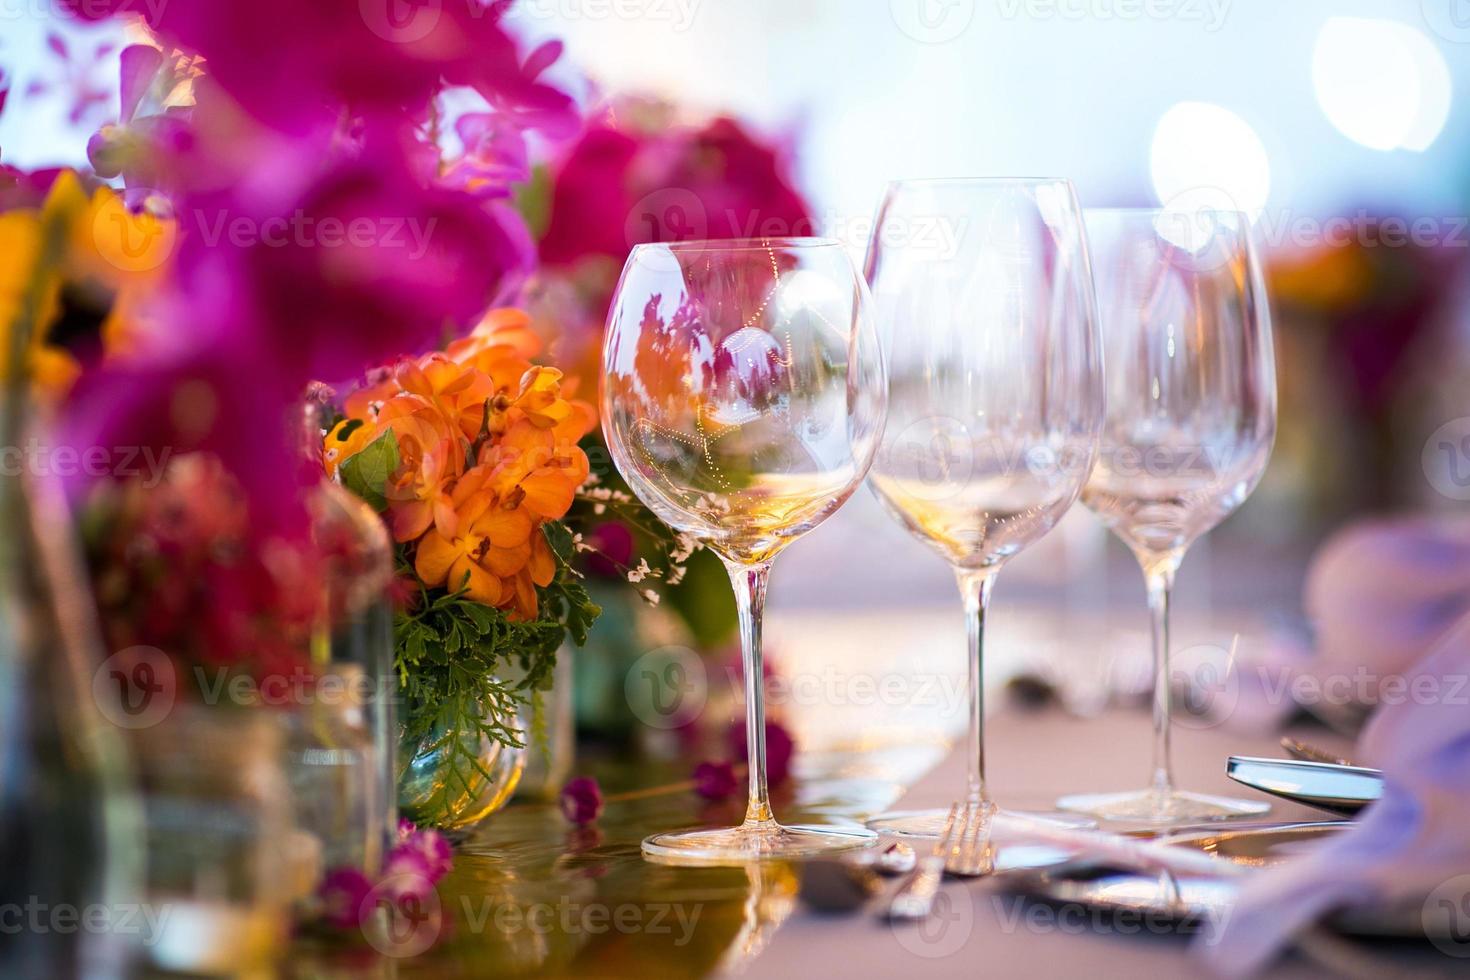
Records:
x=471, y=457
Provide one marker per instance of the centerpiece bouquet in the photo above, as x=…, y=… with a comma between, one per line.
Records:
x=471, y=456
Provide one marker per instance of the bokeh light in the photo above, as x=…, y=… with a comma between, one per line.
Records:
x=1382, y=84
x=1205, y=157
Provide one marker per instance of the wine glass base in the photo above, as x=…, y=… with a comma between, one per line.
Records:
x=928, y=825
x=1151, y=806
x=734, y=846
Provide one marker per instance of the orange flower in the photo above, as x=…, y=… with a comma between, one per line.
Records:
x=456, y=392
x=431, y=456
x=492, y=543
x=500, y=328
x=476, y=527
x=537, y=470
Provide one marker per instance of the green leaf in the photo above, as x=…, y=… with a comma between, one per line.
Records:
x=366, y=472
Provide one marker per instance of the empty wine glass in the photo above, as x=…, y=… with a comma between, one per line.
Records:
x=743, y=399
x=1191, y=388
x=987, y=320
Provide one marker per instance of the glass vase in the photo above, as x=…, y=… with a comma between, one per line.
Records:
x=71, y=830
x=437, y=788
x=219, y=821
x=341, y=734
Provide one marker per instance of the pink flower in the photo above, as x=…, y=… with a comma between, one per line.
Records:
x=715, y=780
x=342, y=894
x=431, y=849
x=618, y=187
x=779, y=749
x=581, y=800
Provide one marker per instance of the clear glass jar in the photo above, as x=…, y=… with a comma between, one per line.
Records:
x=218, y=812
x=342, y=733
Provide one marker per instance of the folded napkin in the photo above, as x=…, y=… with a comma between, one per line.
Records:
x=1379, y=595
x=1413, y=840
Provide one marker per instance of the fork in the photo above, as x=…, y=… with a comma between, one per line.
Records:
x=972, y=853
x=915, y=897
x=1310, y=753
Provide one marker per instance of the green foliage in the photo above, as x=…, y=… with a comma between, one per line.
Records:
x=366, y=473
x=454, y=658
x=705, y=603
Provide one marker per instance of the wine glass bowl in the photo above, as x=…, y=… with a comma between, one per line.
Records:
x=995, y=386
x=1191, y=397
x=742, y=388
x=1191, y=419
x=743, y=399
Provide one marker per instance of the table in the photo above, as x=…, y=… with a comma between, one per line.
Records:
x=532, y=896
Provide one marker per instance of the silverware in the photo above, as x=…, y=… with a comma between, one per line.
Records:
x=1311, y=753
x=915, y=897
x=1326, y=786
x=1096, y=846
x=895, y=859
x=973, y=852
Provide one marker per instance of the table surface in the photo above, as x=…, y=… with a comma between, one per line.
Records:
x=532, y=896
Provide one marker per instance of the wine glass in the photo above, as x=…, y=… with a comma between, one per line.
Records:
x=988, y=326
x=1191, y=388
x=743, y=399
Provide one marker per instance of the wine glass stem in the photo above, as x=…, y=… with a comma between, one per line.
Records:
x=749, y=583
x=1158, y=574
x=975, y=588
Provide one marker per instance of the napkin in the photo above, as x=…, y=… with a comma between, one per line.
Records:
x=1416, y=838
x=1379, y=595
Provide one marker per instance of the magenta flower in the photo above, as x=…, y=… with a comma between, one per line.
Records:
x=431, y=849
x=581, y=800
x=621, y=186
x=779, y=749
x=342, y=893
x=715, y=780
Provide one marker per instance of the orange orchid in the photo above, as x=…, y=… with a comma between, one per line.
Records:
x=457, y=392
x=500, y=328
x=492, y=543
x=487, y=453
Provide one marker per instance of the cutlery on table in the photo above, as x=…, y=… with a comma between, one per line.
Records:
x=1311, y=753
x=1327, y=786
x=915, y=897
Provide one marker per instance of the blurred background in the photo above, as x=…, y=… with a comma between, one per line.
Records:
x=1340, y=125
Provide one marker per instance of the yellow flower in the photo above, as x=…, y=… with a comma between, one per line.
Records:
x=75, y=252
x=347, y=438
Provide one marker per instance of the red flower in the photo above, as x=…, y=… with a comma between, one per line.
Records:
x=779, y=749
x=619, y=186
x=715, y=780
x=581, y=800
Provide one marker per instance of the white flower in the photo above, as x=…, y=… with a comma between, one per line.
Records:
x=650, y=596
